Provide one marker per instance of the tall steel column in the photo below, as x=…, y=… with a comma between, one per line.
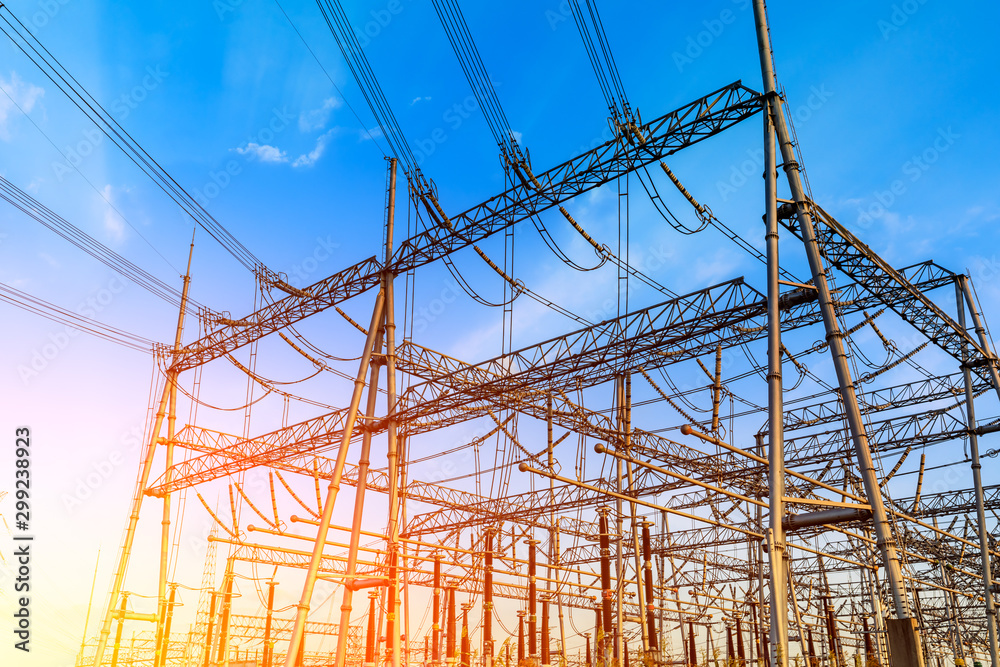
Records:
x=488, y=602
x=834, y=336
x=392, y=452
x=962, y=293
x=532, y=595
x=302, y=610
x=775, y=413
x=436, y=614
x=169, y=388
x=346, y=605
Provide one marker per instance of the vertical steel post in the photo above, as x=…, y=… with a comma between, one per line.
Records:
x=166, y=625
x=370, y=638
x=795, y=607
x=775, y=411
x=488, y=602
x=466, y=646
x=140, y=491
x=364, y=461
x=450, y=653
x=647, y=559
x=90, y=602
x=169, y=464
x=636, y=550
x=606, y=592
x=302, y=610
x=222, y=655
x=619, y=635
x=268, y=647
x=392, y=451
x=962, y=290
x=520, y=636
x=545, y=632
x=436, y=614
x=208, y=631
x=598, y=636
x=834, y=336
x=532, y=594
x=118, y=631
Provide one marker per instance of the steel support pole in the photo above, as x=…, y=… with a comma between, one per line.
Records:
x=166, y=626
x=222, y=655
x=370, y=637
x=795, y=607
x=147, y=465
x=209, y=629
x=532, y=596
x=545, y=633
x=436, y=614
x=963, y=293
x=392, y=450
x=647, y=570
x=450, y=643
x=364, y=461
x=168, y=465
x=268, y=648
x=604, y=640
x=775, y=411
x=466, y=644
x=302, y=610
x=636, y=550
x=834, y=336
x=488, y=602
x=118, y=632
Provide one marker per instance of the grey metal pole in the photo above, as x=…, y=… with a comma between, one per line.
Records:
x=962, y=290
x=798, y=614
x=775, y=411
x=302, y=610
x=140, y=490
x=834, y=337
x=364, y=461
x=392, y=452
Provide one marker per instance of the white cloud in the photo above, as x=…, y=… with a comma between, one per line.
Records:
x=23, y=94
x=517, y=136
x=316, y=153
x=316, y=119
x=420, y=99
x=113, y=224
x=370, y=134
x=264, y=153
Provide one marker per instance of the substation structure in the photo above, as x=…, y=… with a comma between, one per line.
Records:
x=809, y=493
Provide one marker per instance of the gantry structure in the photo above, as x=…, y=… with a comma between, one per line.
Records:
x=782, y=471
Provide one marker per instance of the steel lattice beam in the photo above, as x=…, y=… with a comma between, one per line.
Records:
x=666, y=135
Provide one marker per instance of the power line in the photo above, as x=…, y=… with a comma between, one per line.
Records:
x=78, y=95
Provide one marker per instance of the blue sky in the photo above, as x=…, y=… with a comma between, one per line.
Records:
x=270, y=132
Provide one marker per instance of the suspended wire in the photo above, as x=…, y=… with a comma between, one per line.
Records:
x=558, y=252
x=470, y=291
x=50, y=311
x=93, y=187
x=614, y=94
x=78, y=95
x=347, y=41
x=364, y=127
x=34, y=209
x=457, y=30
